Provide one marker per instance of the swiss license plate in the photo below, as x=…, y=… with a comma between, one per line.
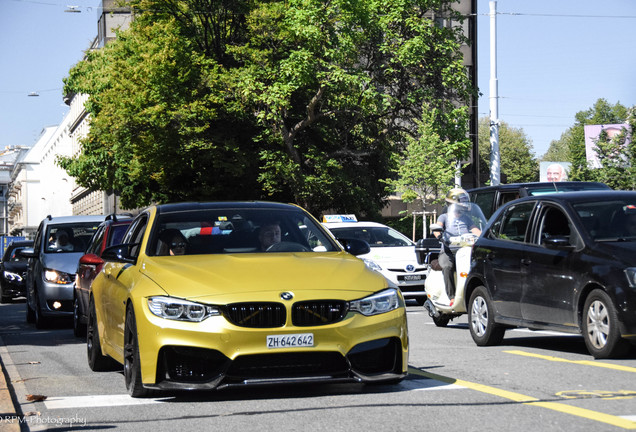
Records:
x=290, y=341
x=412, y=277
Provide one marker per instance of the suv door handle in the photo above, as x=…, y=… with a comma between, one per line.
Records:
x=526, y=261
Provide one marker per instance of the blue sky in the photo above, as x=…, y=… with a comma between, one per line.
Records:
x=555, y=58
x=39, y=43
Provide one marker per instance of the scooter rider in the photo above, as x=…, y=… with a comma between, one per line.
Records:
x=454, y=222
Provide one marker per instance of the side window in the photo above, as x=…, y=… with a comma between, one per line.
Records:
x=37, y=245
x=96, y=241
x=136, y=234
x=484, y=201
x=513, y=223
x=554, y=223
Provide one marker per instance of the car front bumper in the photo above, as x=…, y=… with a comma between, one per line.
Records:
x=217, y=354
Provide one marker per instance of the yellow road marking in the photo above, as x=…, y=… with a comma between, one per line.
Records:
x=581, y=362
x=529, y=400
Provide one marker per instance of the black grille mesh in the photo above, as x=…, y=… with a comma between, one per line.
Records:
x=316, y=313
x=271, y=315
x=257, y=315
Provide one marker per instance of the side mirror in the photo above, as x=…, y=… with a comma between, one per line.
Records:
x=355, y=246
x=28, y=253
x=119, y=253
x=91, y=259
x=558, y=242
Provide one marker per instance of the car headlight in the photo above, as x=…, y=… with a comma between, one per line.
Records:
x=58, y=277
x=372, y=264
x=181, y=310
x=631, y=276
x=379, y=303
x=13, y=277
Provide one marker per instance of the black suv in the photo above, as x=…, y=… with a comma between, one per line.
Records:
x=490, y=198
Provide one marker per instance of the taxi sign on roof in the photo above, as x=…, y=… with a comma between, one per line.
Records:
x=339, y=218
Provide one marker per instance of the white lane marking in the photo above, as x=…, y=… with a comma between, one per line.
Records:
x=429, y=384
x=91, y=401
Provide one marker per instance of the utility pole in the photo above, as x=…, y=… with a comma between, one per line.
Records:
x=495, y=158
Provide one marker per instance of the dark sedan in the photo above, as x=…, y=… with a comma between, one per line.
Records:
x=564, y=262
x=13, y=270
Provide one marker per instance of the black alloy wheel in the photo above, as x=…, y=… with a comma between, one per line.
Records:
x=132, y=364
x=96, y=360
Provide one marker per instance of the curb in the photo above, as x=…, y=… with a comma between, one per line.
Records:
x=9, y=418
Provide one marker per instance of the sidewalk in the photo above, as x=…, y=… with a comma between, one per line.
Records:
x=9, y=420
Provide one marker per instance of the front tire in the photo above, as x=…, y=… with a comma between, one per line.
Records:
x=442, y=320
x=41, y=322
x=600, y=327
x=79, y=329
x=30, y=315
x=96, y=360
x=481, y=321
x=132, y=364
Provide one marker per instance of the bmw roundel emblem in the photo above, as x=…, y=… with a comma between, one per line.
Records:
x=286, y=295
x=410, y=268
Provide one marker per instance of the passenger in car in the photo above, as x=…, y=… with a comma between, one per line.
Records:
x=171, y=242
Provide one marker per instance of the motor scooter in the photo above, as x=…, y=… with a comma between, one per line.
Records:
x=440, y=308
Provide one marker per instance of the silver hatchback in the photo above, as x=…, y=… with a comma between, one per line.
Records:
x=59, y=243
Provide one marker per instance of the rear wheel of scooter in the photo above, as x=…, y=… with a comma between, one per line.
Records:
x=441, y=320
x=481, y=322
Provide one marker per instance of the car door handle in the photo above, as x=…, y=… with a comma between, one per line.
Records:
x=525, y=261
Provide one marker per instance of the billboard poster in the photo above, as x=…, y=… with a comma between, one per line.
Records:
x=554, y=171
x=592, y=133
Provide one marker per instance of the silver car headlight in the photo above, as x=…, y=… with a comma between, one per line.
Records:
x=631, y=276
x=180, y=310
x=379, y=303
x=58, y=277
x=372, y=264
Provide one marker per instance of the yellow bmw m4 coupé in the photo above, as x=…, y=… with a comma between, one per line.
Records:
x=213, y=295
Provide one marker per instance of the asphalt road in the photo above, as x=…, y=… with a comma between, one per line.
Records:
x=534, y=381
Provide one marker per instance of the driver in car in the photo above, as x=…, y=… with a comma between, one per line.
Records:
x=454, y=222
x=269, y=234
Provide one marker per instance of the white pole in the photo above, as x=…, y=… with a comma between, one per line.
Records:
x=494, y=100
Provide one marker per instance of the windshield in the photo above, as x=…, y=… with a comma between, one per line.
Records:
x=72, y=237
x=608, y=220
x=376, y=236
x=220, y=231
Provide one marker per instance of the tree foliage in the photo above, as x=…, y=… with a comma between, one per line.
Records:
x=429, y=164
x=296, y=100
x=617, y=159
x=518, y=163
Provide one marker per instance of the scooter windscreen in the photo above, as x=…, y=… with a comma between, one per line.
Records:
x=464, y=223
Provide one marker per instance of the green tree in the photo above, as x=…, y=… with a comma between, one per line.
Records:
x=296, y=100
x=517, y=162
x=429, y=165
x=558, y=151
x=574, y=138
